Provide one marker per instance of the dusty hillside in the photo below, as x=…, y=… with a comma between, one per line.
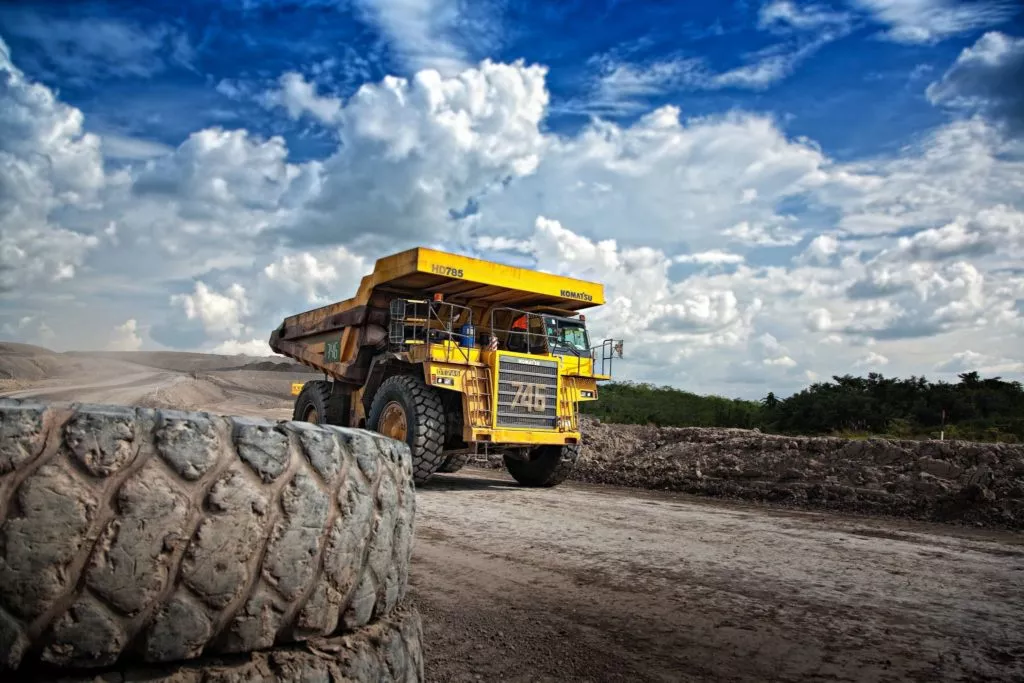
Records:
x=181, y=361
x=27, y=362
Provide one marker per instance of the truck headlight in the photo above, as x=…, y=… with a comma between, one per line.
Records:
x=587, y=394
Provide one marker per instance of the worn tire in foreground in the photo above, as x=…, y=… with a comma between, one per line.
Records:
x=547, y=466
x=386, y=651
x=137, y=535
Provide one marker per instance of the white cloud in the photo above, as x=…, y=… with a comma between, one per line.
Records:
x=819, y=320
x=621, y=86
x=298, y=96
x=87, y=48
x=235, y=347
x=967, y=361
x=220, y=314
x=986, y=78
x=821, y=250
x=913, y=256
x=431, y=34
x=714, y=257
x=781, y=361
x=125, y=337
x=319, y=278
x=871, y=360
x=929, y=21
x=668, y=179
x=47, y=164
x=643, y=303
x=770, y=66
x=415, y=150
x=116, y=146
x=785, y=14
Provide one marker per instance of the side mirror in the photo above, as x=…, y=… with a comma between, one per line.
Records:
x=618, y=349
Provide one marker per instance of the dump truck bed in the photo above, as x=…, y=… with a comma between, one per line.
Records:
x=415, y=273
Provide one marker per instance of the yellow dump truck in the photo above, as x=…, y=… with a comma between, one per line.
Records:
x=456, y=356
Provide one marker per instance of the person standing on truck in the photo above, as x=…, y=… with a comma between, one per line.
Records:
x=517, y=335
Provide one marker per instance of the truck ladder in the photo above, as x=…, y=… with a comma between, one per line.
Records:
x=480, y=397
x=569, y=407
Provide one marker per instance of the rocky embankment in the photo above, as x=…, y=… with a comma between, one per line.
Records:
x=951, y=481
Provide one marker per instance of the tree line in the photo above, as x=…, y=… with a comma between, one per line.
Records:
x=974, y=408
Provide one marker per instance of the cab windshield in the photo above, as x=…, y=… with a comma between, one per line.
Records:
x=567, y=336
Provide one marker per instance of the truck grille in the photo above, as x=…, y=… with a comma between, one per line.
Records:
x=527, y=393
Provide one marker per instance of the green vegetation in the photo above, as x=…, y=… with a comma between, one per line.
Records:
x=973, y=408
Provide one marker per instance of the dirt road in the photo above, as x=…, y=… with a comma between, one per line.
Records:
x=125, y=389
x=586, y=583
x=582, y=583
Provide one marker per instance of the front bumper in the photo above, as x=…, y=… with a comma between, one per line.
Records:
x=524, y=437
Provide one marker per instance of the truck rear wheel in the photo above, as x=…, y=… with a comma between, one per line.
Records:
x=407, y=409
x=547, y=466
x=317, y=403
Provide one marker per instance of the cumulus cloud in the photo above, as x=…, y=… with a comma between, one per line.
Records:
x=871, y=360
x=48, y=163
x=819, y=320
x=668, y=178
x=125, y=337
x=415, y=150
x=220, y=314
x=986, y=78
x=929, y=21
x=803, y=262
x=299, y=97
x=821, y=250
x=676, y=318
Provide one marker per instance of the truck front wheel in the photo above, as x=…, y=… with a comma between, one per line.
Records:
x=547, y=465
x=407, y=409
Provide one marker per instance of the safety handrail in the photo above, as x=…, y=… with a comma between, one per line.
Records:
x=425, y=311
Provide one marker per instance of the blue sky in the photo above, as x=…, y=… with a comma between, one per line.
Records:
x=775, y=191
x=146, y=70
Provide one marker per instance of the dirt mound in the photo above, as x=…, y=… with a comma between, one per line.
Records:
x=27, y=362
x=952, y=481
x=274, y=366
x=178, y=361
x=186, y=394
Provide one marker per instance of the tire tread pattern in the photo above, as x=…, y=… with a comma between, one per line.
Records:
x=132, y=534
x=427, y=440
x=387, y=651
x=553, y=465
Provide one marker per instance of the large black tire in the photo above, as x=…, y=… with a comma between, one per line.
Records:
x=133, y=535
x=316, y=403
x=454, y=462
x=425, y=420
x=547, y=466
x=387, y=651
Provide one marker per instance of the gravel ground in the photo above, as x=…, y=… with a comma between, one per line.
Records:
x=596, y=583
